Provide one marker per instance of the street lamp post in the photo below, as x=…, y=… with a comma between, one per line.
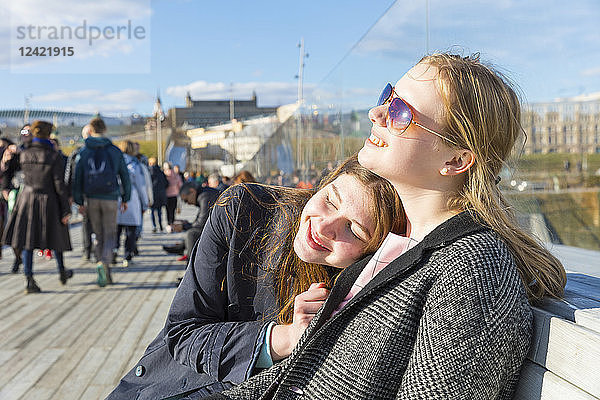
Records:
x=159, y=141
x=233, y=128
x=300, y=77
x=160, y=117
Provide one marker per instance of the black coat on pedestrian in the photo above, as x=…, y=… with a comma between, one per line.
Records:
x=217, y=321
x=159, y=187
x=35, y=222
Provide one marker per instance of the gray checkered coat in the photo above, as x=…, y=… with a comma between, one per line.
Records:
x=449, y=319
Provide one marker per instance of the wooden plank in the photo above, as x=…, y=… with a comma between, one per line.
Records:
x=73, y=387
x=566, y=307
x=9, y=280
x=67, y=372
x=536, y=383
x=43, y=314
x=568, y=350
x=591, y=282
x=583, y=286
x=20, y=384
x=154, y=326
x=6, y=355
x=96, y=326
x=99, y=331
x=71, y=331
x=94, y=392
x=590, y=318
x=23, y=358
x=14, y=305
x=120, y=354
x=160, y=316
x=580, y=303
x=106, y=332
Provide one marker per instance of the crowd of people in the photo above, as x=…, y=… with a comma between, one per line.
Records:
x=112, y=186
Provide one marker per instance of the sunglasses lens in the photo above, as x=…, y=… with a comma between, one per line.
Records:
x=387, y=91
x=400, y=114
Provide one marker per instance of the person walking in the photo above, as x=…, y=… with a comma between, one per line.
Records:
x=41, y=213
x=86, y=225
x=5, y=143
x=175, y=184
x=12, y=179
x=130, y=218
x=97, y=191
x=159, y=192
x=143, y=162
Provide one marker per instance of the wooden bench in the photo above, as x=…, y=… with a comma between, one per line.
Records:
x=564, y=359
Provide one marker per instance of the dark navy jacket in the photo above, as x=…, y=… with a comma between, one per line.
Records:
x=118, y=163
x=216, y=324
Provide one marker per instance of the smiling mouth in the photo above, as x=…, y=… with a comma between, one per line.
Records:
x=376, y=141
x=313, y=241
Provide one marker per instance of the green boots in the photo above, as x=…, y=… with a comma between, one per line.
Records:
x=104, y=276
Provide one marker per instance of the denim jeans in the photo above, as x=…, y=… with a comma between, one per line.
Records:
x=27, y=256
x=158, y=212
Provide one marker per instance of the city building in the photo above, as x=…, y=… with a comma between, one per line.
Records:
x=563, y=126
x=256, y=144
x=203, y=113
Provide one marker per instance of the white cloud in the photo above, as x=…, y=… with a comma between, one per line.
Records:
x=92, y=100
x=268, y=93
x=585, y=97
x=75, y=11
x=591, y=72
x=105, y=109
x=68, y=20
x=62, y=96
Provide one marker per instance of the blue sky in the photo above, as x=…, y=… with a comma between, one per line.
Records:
x=550, y=48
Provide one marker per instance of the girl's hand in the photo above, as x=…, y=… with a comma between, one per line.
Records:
x=285, y=337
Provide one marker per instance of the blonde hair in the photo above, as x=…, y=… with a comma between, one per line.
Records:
x=127, y=147
x=482, y=114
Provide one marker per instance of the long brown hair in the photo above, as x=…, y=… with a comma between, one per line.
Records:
x=482, y=114
x=293, y=276
x=289, y=274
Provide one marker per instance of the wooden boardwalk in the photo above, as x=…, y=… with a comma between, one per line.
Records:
x=76, y=341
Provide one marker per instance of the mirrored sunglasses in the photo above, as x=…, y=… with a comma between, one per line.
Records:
x=400, y=114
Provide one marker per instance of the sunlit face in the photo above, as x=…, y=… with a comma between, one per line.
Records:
x=335, y=224
x=416, y=156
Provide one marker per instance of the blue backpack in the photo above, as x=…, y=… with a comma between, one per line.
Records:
x=99, y=176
